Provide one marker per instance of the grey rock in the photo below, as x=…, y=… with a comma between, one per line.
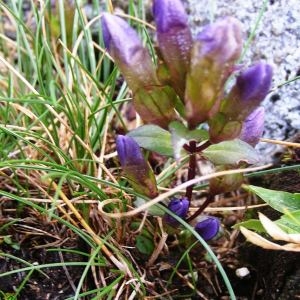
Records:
x=277, y=41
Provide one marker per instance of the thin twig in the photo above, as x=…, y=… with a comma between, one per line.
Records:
x=283, y=143
x=172, y=192
x=117, y=262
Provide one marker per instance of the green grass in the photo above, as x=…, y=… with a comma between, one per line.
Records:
x=58, y=96
x=61, y=103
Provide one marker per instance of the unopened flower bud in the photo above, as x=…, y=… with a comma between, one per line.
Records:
x=135, y=63
x=208, y=227
x=136, y=168
x=126, y=48
x=221, y=41
x=179, y=207
x=253, y=127
x=213, y=56
x=250, y=89
x=226, y=183
x=156, y=105
x=174, y=38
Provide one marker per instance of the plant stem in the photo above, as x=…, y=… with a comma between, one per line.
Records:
x=209, y=199
x=193, y=149
x=192, y=168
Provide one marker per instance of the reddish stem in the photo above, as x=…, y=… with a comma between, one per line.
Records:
x=193, y=149
x=192, y=168
x=209, y=199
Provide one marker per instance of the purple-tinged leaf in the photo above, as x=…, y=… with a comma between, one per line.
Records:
x=153, y=138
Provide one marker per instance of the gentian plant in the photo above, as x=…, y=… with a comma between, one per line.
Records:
x=186, y=105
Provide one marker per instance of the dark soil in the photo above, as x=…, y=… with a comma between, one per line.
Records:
x=273, y=274
x=31, y=237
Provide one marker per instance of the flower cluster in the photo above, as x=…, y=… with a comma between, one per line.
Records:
x=194, y=72
x=187, y=87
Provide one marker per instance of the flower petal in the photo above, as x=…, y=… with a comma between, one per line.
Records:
x=208, y=227
x=174, y=39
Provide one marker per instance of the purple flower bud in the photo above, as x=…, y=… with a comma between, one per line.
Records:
x=174, y=38
x=253, y=127
x=179, y=207
x=254, y=83
x=154, y=103
x=129, y=151
x=221, y=41
x=208, y=227
x=126, y=48
x=169, y=14
x=213, y=56
x=251, y=87
x=136, y=168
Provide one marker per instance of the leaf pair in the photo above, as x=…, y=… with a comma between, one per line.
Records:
x=154, y=138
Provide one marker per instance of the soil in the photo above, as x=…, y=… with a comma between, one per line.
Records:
x=272, y=274
x=31, y=236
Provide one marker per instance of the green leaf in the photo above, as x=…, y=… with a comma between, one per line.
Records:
x=144, y=245
x=281, y=201
x=153, y=138
x=290, y=222
x=144, y=232
x=182, y=131
x=182, y=135
x=231, y=152
x=252, y=224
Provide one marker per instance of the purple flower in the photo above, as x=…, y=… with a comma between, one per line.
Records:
x=208, y=227
x=154, y=103
x=135, y=167
x=174, y=39
x=213, y=57
x=169, y=14
x=221, y=41
x=254, y=83
x=179, y=207
x=253, y=127
x=126, y=48
x=129, y=151
x=250, y=89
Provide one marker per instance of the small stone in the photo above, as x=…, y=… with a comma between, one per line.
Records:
x=277, y=27
x=242, y=272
